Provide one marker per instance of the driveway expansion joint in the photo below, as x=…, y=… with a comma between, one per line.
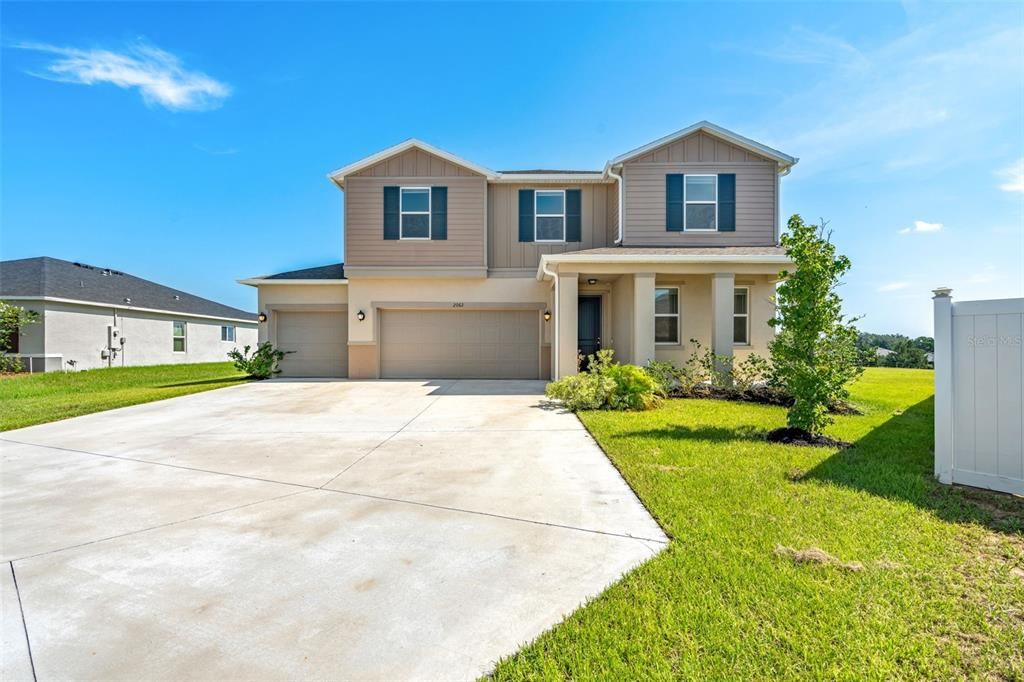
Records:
x=24, y=624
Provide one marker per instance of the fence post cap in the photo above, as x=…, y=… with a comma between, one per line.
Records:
x=942, y=292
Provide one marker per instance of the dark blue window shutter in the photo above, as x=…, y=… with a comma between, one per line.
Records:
x=439, y=213
x=526, y=215
x=391, y=213
x=573, y=218
x=674, y=202
x=727, y=202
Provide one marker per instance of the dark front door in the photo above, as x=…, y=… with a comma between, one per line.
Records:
x=588, y=327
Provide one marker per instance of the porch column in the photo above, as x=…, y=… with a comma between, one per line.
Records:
x=722, y=286
x=643, y=317
x=565, y=325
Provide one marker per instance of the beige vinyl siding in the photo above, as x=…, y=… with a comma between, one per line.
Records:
x=503, y=245
x=645, y=205
x=700, y=147
x=364, y=224
x=415, y=163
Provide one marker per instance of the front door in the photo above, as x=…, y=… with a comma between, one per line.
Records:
x=588, y=327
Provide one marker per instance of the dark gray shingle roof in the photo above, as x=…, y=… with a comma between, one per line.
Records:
x=333, y=271
x=57, y=278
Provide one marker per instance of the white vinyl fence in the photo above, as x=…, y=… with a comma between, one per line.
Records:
x=979, y=392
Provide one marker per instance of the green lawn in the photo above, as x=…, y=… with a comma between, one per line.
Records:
x=941, y=594
x=27, y=399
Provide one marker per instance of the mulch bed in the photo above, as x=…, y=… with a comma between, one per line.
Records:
x=791, y=436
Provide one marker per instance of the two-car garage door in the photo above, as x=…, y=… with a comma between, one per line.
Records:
x=460, y=344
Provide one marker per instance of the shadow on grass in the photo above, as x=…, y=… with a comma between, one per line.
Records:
x=719, y=434
x=895, y=460
x=207, y=382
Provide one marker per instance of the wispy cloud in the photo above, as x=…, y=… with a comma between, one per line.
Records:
x=158, y=75
x=227, y=151
x=805, y=46
x=922, y=226
x=1013, y=177
x=893, y=286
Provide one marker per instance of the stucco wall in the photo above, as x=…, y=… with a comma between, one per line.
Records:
x=283, y=295
x=79, y=333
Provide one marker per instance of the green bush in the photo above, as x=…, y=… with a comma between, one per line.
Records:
x=607, y=385
x=262, y=364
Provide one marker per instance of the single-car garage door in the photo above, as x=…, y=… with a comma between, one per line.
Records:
x=318, y=341
x=460, y=344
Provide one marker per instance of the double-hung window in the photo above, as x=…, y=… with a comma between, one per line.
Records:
x=549, y=215
x=741, y=316
x=227, y=333
x=178, y=336
x=701, y=202
x=666, y=315
x=415, y=213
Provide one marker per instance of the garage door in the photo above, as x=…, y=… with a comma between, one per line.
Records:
x=460, y=344
x=319, y=341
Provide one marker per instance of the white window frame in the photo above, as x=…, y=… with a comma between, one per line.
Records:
x=232, y=328
x=745, y=315
x=183, y=337
x=537, y=214
x=401, y=213
x=687, y=202
x=676, y=314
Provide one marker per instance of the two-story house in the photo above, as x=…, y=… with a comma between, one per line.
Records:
x=453, y=270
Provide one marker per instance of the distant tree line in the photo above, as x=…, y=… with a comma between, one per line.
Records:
x=903, y=351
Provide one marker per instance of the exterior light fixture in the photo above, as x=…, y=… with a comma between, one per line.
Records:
x=262, y=317
x=547, y=315
x=360, y=316
x=591, y=281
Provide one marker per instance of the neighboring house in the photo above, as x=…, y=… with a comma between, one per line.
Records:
x=883, y=353
x=453, y=270
x=96, y=317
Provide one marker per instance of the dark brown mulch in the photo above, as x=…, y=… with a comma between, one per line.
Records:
x=793, y=436
x=761, y=394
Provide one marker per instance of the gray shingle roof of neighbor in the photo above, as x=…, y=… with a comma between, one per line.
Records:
x=332, y=271
x=55, y=278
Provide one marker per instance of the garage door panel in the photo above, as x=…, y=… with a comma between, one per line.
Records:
x=478, y=344
x=318, y=342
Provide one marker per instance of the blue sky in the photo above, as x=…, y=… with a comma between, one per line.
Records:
x=188, y=143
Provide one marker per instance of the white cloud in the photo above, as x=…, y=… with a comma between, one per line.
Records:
x=1013, y=176
x=157, y=74
x=805, y=46
x=893, y=286
x=922, y=226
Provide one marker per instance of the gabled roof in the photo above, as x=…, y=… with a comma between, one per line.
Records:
x=323, y=274
x=784, y=160
x=44, y=277
x=339, y=175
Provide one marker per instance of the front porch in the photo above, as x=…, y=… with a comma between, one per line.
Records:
x=653, y=306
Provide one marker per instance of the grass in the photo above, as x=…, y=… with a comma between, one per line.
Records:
x=940, y=596
x=27, y=399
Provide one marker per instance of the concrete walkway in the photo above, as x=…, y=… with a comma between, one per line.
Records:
x=305, y=529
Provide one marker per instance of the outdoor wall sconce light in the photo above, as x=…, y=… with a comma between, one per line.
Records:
x=591, y=281
x=547, y=315
x=360, y=316
x=262, y=317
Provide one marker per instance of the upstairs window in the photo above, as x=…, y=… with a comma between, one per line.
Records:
x=666, y=315
x=549, y=221
x=227, y=333
x=415, y=213
x=178, y=336
x=701, y=199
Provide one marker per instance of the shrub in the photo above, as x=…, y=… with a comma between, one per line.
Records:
x=607, y=385
x=814, y=353
x=262, y=364
x=12, y=319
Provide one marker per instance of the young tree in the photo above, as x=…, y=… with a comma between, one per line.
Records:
x=12, y=319
x=814, y=352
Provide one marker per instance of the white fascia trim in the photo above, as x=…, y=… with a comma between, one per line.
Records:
x=557, y=178
x=257, y=281
x=785, y=161
x=338, y=176
x=546, y=260
x=122, y=306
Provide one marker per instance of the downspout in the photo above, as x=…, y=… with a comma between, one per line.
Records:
x=554, y=317
x=618, y=182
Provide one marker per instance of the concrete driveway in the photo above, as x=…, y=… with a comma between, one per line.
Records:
x=304, y=529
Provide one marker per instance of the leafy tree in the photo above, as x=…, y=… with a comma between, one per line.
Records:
x=12, y=319
x=814, y=352
x=907, y=354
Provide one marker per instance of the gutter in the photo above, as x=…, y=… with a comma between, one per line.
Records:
x=618, y=182
x=654, y=259
x=125, y=306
